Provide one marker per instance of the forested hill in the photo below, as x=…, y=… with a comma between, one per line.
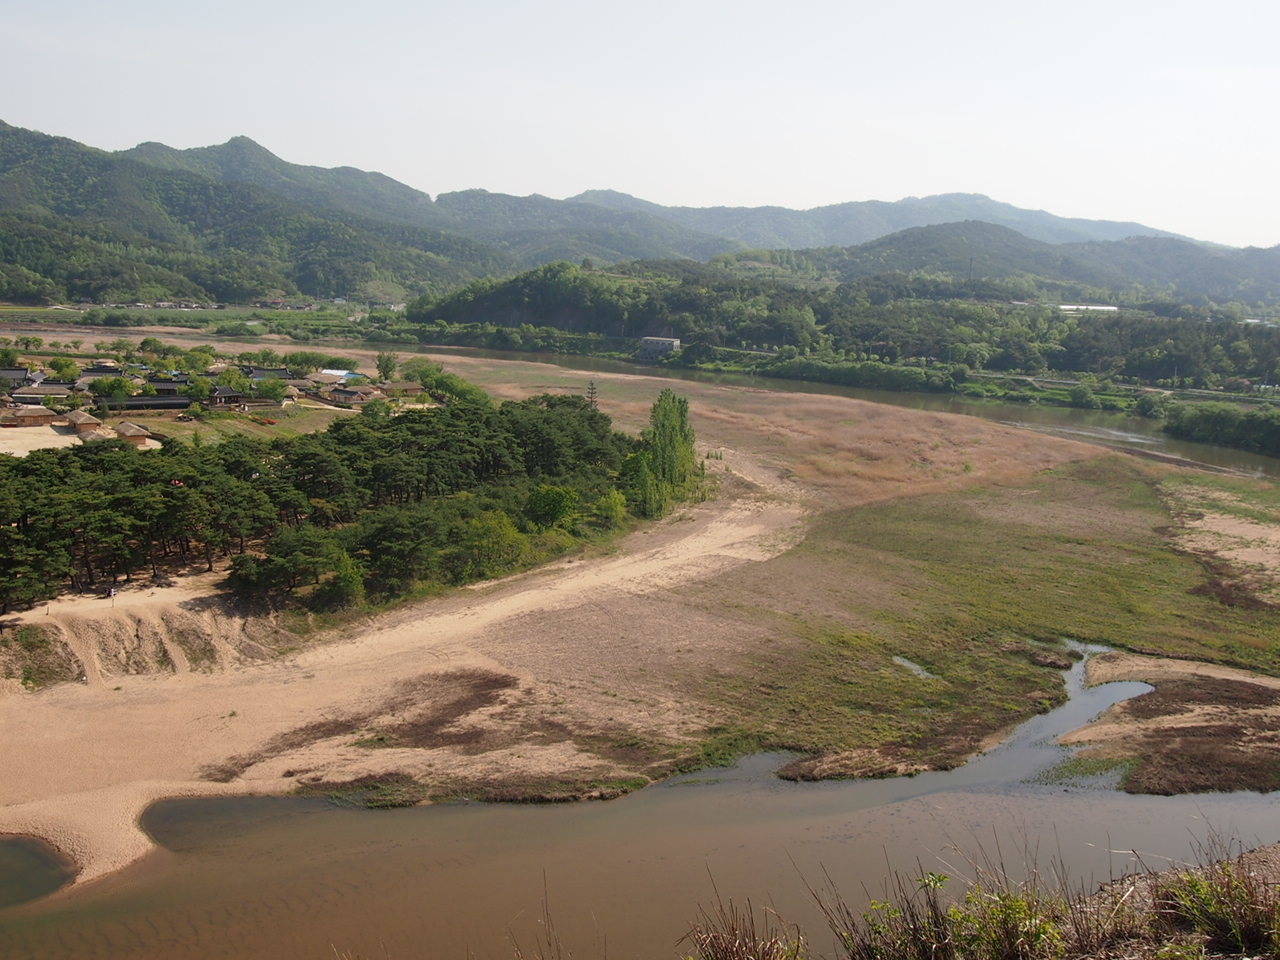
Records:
x=922, y=321
x=922, y=279
x=529, y=230
x=1115, y=270
x=343, y=189
x=80, y=223
x=846, y=224
x=235, y=223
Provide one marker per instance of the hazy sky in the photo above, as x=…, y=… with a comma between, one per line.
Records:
x=1160, y=112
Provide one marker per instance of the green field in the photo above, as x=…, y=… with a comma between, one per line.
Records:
x=291, y=421
x=980, y=589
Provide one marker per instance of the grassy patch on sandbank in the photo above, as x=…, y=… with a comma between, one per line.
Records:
x=979, y=588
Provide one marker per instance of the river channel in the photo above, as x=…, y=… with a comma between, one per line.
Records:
x=1118, y=430
x=291, y=878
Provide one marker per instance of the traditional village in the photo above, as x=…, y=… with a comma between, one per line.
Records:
x=53, y=410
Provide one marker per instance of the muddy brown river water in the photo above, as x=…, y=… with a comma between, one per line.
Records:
x=292, y=879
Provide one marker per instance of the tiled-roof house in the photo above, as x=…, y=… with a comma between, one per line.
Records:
x=223, y=394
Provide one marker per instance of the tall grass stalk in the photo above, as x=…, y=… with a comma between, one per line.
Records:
x=727, y=931
x=547, y=945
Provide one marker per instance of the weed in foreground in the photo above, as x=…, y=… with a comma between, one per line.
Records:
x=1227, y=905
x=728, y=931
x=996, y=919
x=912, y=923
x=1226, y=900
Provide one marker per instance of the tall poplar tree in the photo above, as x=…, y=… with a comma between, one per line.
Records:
x=671, y=440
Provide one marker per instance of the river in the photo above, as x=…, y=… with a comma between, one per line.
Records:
x=296, y=878
x=1118, y=430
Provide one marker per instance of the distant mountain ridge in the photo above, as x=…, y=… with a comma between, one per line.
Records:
x=234, y=222
x=343, y=189
x=1167, y=266
x=83, y=223
x=848, y=224
x=531, y=228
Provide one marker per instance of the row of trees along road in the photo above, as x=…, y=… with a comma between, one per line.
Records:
x=372, y=507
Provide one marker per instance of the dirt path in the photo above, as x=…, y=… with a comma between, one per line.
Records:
x=127, y=598
x=20, y=441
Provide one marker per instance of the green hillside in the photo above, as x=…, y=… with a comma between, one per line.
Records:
x=536, y=230
x=967, y=250
x=235, y=223
x=83, y=223
x=530, y=230
x=990, y=260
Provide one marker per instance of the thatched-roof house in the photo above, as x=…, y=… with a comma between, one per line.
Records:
x=360, y=393
x=401, y=388
x=37, y=393
x=29, y=416
x=82, y=421
x=135, y=434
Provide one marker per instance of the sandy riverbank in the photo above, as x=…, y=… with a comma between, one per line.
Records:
x=86, y=759
x=540, y=678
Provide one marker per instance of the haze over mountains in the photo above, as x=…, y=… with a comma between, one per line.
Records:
x=1134, y=267
x=234, y=222
x=847, y=224
x=491, y=216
